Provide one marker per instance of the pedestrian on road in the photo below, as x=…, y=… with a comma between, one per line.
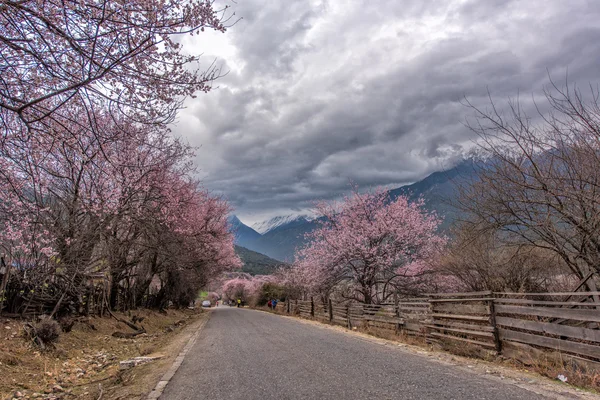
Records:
x=239, y=303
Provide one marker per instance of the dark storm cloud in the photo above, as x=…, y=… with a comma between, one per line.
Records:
x=321, y=93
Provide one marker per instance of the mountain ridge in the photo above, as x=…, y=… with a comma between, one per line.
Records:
x=280, y=240
x=256, y=263
x=244, y=235
x=263, y=227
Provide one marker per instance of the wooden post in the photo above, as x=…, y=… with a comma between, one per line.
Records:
x=348, y=316
x=397, y=312
x=330, y=310
x=497, y=341
x=431, y=311
x=312, y=307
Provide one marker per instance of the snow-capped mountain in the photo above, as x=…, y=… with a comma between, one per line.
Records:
x=263, y=227
x=244, y=235
x=279, y=237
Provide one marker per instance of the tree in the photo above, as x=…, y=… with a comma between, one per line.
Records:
x=93, y=185
x=120, y=204
x=269, y=291
x=240, y=288
x=540, y=183
x=127, y=56
x=375, y=245
x=478, y=261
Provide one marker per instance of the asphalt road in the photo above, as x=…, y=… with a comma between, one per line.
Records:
x=246, y=354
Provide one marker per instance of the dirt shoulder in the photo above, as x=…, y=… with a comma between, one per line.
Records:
x=85, y=363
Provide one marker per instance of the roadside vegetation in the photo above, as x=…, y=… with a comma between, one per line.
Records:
x=100, y=209
x=85, y=362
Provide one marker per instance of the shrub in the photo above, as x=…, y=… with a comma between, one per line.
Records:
x=47, y=330
x=147, y=349
x=66, y=324
x=269, y=291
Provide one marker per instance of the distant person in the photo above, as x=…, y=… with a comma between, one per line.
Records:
x=270, y=304
x=239, y=303
x=274, y=304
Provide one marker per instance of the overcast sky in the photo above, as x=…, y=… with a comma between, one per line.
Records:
x=323, y=92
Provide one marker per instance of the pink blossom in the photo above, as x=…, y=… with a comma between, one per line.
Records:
x=371, y=245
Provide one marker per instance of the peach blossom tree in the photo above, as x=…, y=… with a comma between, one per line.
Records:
x=370, y=245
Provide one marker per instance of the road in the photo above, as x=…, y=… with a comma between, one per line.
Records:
x=247, y=354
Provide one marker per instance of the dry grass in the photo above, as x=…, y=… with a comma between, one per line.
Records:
x=467, y=350
x=9, y=359
x=146, y=349
x=389, y=334
x=554, y=364
x=83, y=358
x=573, y=372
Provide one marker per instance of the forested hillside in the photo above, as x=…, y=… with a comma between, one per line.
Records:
x=256, y=263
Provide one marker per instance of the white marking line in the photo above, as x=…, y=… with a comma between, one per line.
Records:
x=166, y=378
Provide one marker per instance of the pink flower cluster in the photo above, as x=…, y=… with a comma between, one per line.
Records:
x=91, y=181
x=369, y=243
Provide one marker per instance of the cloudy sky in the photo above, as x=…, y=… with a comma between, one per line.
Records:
x=319, y=93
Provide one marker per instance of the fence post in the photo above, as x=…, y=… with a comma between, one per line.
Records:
x=397, y=312
x=312, y=307
x=348, y=316
x=430, y=311
x=330, y=305
x=349, y=325
x=497, y=341
x=363, y=321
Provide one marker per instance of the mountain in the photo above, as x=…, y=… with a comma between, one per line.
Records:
x=282, y=235
x=244, y=235
x=257, y=263
x=439, y=190
x=282, y=241
x=268, y=225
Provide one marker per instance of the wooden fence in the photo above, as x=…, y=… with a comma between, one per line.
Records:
x=507, y=323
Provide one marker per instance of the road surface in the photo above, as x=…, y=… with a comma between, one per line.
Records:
x=247, y=354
